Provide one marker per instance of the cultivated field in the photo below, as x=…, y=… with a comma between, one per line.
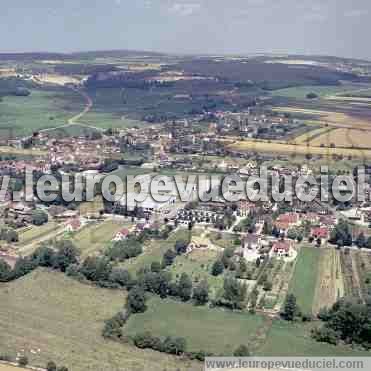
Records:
x=363, y=261
x=330, y=283
x=304, y=280
x=64, y=319
x=283, y=148
x=212, y=330
x=331, y=118
x=348, y=138
x=352, y=278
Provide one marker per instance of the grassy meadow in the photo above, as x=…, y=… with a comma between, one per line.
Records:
x=64, y=319
x=42, y=109
x=213, y=330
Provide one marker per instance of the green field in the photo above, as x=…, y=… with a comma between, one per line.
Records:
x=64, y=319
x=106, y=120
x=213, y=330
x=198, y=265
x=153, y=251
x=286, y=339
x=303, y=282
x=34, y=232
x=93, y=238
x=42, y=109
x=300, y=92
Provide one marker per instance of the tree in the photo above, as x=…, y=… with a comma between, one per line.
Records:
x=312, y=95
x=168, y=258
x=66, y=255
x=22, y=361
x=45, y=256
x=181, y=247
x=241, y=351
x=121, y=277
x=234, y=292
x=11, y=236
x=361, y=240
x=201, y=293
x=290, y=308
x=341, y=235
x=267, y=286
x=174, y=345
x=96, y=268
x=348, y=320
x=185, y=287
x=62, y=368
x=5, y=271
x=155, y=267
x=51, y=366
x=39, y=217
x=267, y=228
x=217, y=268
x=136, y=302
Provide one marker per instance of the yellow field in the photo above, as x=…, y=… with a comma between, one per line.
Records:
x=330, y=283
x=283, y=148
x=55, y=79
x=331, y=118
x=307, y=137
x=4, y=367
x=344, y=138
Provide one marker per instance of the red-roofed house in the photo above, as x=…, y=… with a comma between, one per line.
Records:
x=289, y=218
x=320, y=232
x=121, y=235
x=282, y=248
x=73, y=225
x=287, y=221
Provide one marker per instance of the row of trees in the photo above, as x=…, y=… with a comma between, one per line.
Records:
x=61, y=257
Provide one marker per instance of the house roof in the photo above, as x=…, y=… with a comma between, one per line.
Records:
x=290, y=218
x=320, y=232
x=281, y=245
x=74, y=223
x=123, y=232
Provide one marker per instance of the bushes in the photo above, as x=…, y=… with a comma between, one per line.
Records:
x=113, y=327
x=5, y=271
x=241, y=351
x=326, y=335
x=168, y=258
x=22, y=361
x=217, y=268
x=170, y=345
x=123, y=250
x=348, y=321
x=136, y=302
